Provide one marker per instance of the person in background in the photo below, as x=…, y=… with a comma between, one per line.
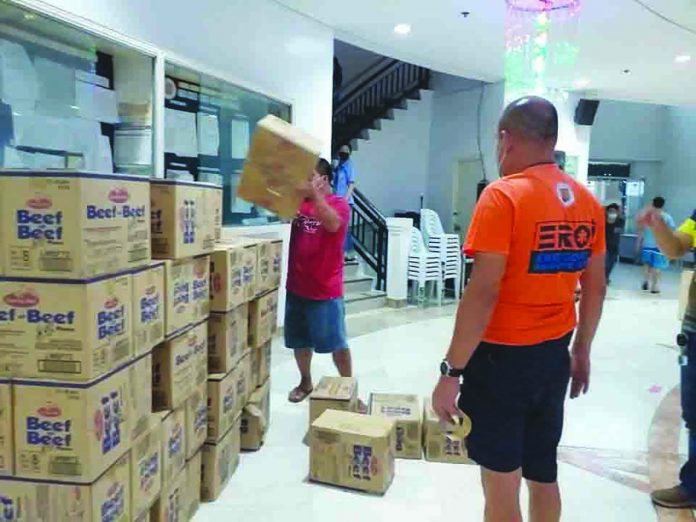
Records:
x=675, y=244
x=314, y=310
x=534, y=235
x=654, y=262
x=615, y=224
x=344, y=185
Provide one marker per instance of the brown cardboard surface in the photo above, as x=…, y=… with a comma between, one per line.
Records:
x=193, y=485
x=74, y=226
x=276, y=263
x=233, y=275
x=187, y=293
x=176, y=367
x=184, y=218
x=107, y=498
x=335, y=393
x=438, y=446
x=66, y=331
x=227, y=396
x=148, y=307
x=171, y=504
x=264, y=263
x=263, y=316
x=219, y=462
x=280, y=160
x=140, y=375
x=196, y=410
x=6, y=435
x=146, y=468
x=260, y=365
x=227, y=339
x=173, y=445
x=256, y=418
x=405, y=410
x=352, y=450
x=200, y=288
x=74, y=432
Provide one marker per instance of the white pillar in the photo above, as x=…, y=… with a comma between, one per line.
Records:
x=397, y=260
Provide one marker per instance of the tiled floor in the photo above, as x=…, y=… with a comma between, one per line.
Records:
x=612, y=445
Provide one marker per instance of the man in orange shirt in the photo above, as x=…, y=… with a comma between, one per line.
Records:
x=535, y=234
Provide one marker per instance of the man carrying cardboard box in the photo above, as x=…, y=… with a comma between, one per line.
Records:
x=315, y=313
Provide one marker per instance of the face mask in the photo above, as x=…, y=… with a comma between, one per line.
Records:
x=611, y=217
x=343, y=156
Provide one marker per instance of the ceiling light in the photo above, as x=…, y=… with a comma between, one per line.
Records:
x=683, y=58
x=29, y=16
x=581, y=84
x=402, y=29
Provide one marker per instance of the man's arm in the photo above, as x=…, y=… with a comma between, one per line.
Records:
x=673, y=244
x=476, y=307
x=326, y=214
x=351, y=188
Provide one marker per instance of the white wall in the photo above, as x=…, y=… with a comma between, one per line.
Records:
x=392, y=166
x=257, y=43
x=678, y=180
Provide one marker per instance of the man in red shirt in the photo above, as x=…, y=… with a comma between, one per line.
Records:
x=314, y=310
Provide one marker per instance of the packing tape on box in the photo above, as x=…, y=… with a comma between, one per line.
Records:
x=459, y=430
x=254, y=411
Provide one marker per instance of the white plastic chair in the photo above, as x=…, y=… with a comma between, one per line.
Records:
x=424, y=266
x=446, y=246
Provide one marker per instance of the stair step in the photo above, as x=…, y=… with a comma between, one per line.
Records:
x=365, y=301
x=357, y=285
x=351, y=270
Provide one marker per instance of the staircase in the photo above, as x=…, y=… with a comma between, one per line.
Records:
x=360, y=295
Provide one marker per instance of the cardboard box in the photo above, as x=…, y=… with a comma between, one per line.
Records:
x=171, y=504
x=184, y=218
x=334, y=393
x=146, y=468
x=222, y=404
x=108, y=498
x=173, y=445
x=228, y=336
x=72, y=225
x=406, y=411
x=281, y=158
x=178, y=283
x=140, y=375
x=263, y=316
x=438, y=446
x=72, y=432
x=242, y=375
x=193, y=486
x=232, y=275
x=200, y=295
x=216, y=208
x=260, y=365
x=6, y=435
x=176, y=367
x=276, y=262
x=219, y=462
x=145, y=517
x=200, y=359
x=73, y=331
x=256, y=417
x=264, y=263
x=196, y=410
x=353, y=451
x=148, y=307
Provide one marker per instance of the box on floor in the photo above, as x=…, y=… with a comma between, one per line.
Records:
x=438, y=445
x=227, y=339
x=260, y=365
x=219, y=462
x=148, y=307
x=74, y=331
x=406, y=411
x=178, y=366
x=256, y=418
x=193, y=485
x=185, y=216
x=353, y=451
x=281, y=158
x=72, y=432
x=108, y=498
x=171, y=504
x=232, y=275
x=335, y=393
x=227, y=396
x=263, y=317
x=72, y=225
x=146, y=468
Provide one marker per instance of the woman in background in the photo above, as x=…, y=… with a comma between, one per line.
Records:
x=615, y=224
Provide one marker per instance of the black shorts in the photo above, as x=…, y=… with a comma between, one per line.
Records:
x=515, y=396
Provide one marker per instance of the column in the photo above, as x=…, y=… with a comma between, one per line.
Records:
x=397, y=260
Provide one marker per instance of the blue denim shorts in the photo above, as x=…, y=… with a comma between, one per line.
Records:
x=654, y=259
x=317, y=325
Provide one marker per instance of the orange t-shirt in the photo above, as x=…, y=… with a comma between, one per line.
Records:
x=549, y=226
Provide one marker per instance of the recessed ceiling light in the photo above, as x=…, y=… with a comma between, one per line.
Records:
x=29, y=16
x=683, y=58
x=581, y=84
x=402, y=29
x=466, y=14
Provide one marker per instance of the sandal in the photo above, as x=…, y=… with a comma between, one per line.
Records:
x=299, y=394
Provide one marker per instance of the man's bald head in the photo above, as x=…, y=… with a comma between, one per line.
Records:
x=531, y=118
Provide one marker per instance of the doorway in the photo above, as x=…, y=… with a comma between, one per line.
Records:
x=466, y=173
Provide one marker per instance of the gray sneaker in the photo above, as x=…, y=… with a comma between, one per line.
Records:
x=673, y=498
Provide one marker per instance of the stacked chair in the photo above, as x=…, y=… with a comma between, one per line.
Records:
x=446, y=246
x=424, y=266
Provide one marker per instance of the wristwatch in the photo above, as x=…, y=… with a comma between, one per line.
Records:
x=446, y=370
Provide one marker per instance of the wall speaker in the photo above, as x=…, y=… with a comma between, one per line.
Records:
x=586, y=111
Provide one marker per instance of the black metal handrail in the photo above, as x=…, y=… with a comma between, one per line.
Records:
x=370, y=236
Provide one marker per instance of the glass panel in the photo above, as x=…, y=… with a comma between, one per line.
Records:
x=208, y=125
x=71, y=100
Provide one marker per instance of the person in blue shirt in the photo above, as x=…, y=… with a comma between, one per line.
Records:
x=344, y=185
x=654, y=262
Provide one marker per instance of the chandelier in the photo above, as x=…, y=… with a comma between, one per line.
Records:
x=540, y=6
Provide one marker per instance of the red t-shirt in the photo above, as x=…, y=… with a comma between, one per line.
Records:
x=315, y=267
